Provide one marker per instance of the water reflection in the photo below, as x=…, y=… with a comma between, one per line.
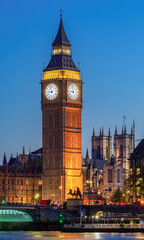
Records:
x=69, y=236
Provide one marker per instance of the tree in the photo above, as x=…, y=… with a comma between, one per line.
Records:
x=135, y=184
x=118, y=196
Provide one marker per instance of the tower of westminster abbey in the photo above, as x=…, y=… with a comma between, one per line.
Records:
x=51, y=171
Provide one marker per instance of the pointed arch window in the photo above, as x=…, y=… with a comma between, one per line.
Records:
x=121, y=151
x=98, y=152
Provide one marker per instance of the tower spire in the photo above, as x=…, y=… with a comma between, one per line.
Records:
x=61, y=12
x=61, y=53
x=61, y=37
x=23, y=150
x=4, y=159
x=125, y=131
x=132, y=132
x=102, y=131
x=116, y=130
x=134, y=127
x=93, y=132
x=109, y=133
x=87, y=154
x=122, y=130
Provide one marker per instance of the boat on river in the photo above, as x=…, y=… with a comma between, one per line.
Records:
x=110, y=224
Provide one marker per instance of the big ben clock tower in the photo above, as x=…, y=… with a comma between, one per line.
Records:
x=61, y=103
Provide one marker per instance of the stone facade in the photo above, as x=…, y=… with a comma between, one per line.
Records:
x=113, y=178
x=21, y=179
x=101, y=145
x=123, y=147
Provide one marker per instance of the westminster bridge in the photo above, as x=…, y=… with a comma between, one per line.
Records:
x=31, y=213
x=34, y=213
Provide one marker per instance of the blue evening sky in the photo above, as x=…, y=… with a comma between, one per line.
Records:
x=107, y=39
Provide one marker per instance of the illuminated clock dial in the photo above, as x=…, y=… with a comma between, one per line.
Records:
x=73, y=91
x=51, y=91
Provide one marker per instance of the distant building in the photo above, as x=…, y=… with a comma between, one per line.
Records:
x=104, y=173
x=123, y=147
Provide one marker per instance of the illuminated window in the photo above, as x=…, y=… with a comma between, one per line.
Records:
x=137, y=171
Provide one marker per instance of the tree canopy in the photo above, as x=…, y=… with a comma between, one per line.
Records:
x=118, y=196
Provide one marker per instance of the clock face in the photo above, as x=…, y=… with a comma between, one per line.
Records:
x=73, y=91
x=51, y=91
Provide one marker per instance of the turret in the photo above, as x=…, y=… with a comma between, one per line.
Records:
x=125, y=131
x=30, y=162
x=23, y=151
x=132, y=131
x=23, y=157
x=4, y=159
x=87, y=157
x=122, y=130
x=109, y=133
x=93, y=132
x=115, y=130
x=102, y=131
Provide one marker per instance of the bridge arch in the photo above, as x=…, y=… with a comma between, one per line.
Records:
x=14, y=215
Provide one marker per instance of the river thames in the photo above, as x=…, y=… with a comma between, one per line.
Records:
x=69, y=236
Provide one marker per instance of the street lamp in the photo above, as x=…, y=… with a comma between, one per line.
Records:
x=127, y=196
x=97, y=217
x=89, y=188
x=37, y=198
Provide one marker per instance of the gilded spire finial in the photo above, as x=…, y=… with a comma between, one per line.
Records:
x=61, y=12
